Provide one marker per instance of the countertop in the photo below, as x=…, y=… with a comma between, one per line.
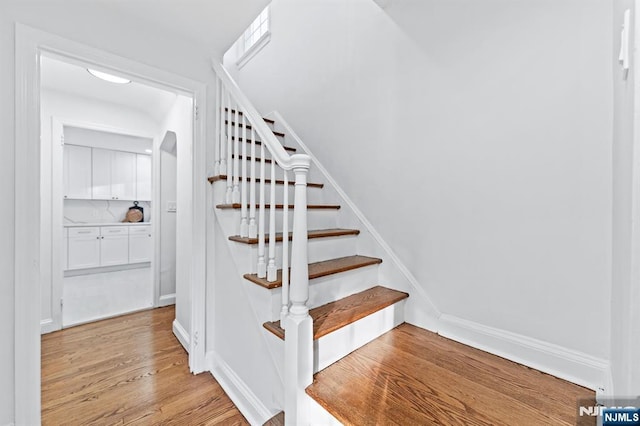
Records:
x=75, y=225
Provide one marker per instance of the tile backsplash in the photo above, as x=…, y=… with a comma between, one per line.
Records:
x=100, y=211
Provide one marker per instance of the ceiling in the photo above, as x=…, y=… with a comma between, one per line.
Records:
x=76, y=80
x=213, y=23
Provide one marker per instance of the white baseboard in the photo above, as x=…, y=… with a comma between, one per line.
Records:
x=247, y=402
x=167, y=299
x=573, y=366
x=47, y=326
x=181, y=334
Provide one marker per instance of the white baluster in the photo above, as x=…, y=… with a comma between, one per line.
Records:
x=285, y=250
x=229, y=168
x=253, y=229
x=235, y=195
x=244, y=219
x=271, y=267
x=262, y=265
x=223, y=131
x=218, y=141
x=298, y=346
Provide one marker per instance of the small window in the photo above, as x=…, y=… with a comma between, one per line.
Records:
x=254, y=38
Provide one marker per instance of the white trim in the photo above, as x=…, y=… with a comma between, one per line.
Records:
x=47, y=326
x=27, y=229
x=417, y=290
x=574, y=366
x=29, y=44
x=247, y=402
x=167, y=299
x=254, y=49
x=182, y=335
x=106, y=317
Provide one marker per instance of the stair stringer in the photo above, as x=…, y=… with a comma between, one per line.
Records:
x=246, y=364
x=419, y=309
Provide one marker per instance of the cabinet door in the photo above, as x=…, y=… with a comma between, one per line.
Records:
x=140, y=245
x=84, y=248
x=114, y=246
x=77, y=172
x=101, y=172
x=123, y=175
x=143, y=177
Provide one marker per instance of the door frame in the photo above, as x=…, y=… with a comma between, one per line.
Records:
x=29, y=44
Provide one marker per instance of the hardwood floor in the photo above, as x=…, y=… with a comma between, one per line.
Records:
x=410, y=376
x=128, y=370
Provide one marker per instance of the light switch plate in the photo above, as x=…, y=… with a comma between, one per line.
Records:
x=172, y=206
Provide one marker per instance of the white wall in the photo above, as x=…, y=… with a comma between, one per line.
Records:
x=178, y=120
x=484, y=131
x=168, y=173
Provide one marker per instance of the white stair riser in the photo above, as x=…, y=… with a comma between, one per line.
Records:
x=334, y=346
x=330, y=288
x=318, y=249
x=316, y=219
x=315, y=195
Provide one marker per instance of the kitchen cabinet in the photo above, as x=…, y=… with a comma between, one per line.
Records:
x=140, y=244
x=113, y=175
x=109, y=245
x=77, y=172
x=114, y=245
x=84, y=248
x=143, y=177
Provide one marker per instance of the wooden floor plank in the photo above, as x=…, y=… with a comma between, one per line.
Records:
x=335, y=315
x=412, y=376
x=127, y=370
x=320, y=269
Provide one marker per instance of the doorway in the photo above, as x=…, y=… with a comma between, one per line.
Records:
x=100, y=147
x=31, y=45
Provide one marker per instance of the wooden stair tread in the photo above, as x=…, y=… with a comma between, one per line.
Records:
x=335, y=315
x=249, y=127
x=281, y=206
x=268, y=120
x=267, y=181
x=320, y=269
x=316, y=233
x=413, y=376
x=288, y=148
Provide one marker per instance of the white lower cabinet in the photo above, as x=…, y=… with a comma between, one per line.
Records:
x=114, y=245
x=96, y=246
x=84, y=248
x=140, y=247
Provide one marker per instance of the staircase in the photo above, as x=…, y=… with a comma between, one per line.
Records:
x=317, y=311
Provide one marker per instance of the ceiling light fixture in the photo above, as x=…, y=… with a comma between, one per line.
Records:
x=108, y=77
x=148, y=151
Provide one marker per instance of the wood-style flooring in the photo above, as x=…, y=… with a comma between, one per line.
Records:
x=410, y=376
x=129, y=370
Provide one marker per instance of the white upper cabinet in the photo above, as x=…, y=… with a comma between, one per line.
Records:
x=77, y=172
x=123, y=175
x=114, y=175
x=143, y=177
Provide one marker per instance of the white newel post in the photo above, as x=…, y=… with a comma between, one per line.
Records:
x=298, y=324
